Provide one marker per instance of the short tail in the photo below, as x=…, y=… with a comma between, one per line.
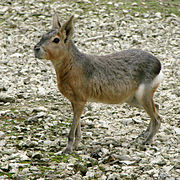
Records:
x=157, y=80
x=153, y=86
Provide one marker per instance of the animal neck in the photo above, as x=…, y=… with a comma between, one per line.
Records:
x=64, y=64
x=74, y=51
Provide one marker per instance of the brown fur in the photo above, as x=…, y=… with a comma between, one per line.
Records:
x=126, y=76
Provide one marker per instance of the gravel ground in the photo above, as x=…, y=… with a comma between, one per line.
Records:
x=35, y=118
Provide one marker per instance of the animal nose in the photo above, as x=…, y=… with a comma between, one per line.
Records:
x=36, y=48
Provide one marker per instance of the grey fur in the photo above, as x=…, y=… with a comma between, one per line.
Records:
x=120, y=71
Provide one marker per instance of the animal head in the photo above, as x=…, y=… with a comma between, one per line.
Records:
x=55, y=43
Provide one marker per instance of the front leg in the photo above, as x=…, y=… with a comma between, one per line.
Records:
x=75, y=127
x=77, y=136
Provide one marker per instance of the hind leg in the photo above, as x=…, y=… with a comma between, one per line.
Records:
x=150, y=108
x=139, y=104
x=134, y=102
x=146, y=132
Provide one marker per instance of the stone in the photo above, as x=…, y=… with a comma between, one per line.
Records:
x=90, y=174
x=2, y=143
x=6, y=98
x=2, y=135
x=37, y=155
x=105, y=151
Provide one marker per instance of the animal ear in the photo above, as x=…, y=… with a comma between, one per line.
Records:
x=67, y=30
x=55, y=23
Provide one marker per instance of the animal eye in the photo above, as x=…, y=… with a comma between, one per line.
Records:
x=56, y=40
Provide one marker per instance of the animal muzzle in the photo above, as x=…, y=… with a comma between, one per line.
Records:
x=39, y=52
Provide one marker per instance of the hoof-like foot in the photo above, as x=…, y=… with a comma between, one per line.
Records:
x=67, y=150
x=147, y=142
